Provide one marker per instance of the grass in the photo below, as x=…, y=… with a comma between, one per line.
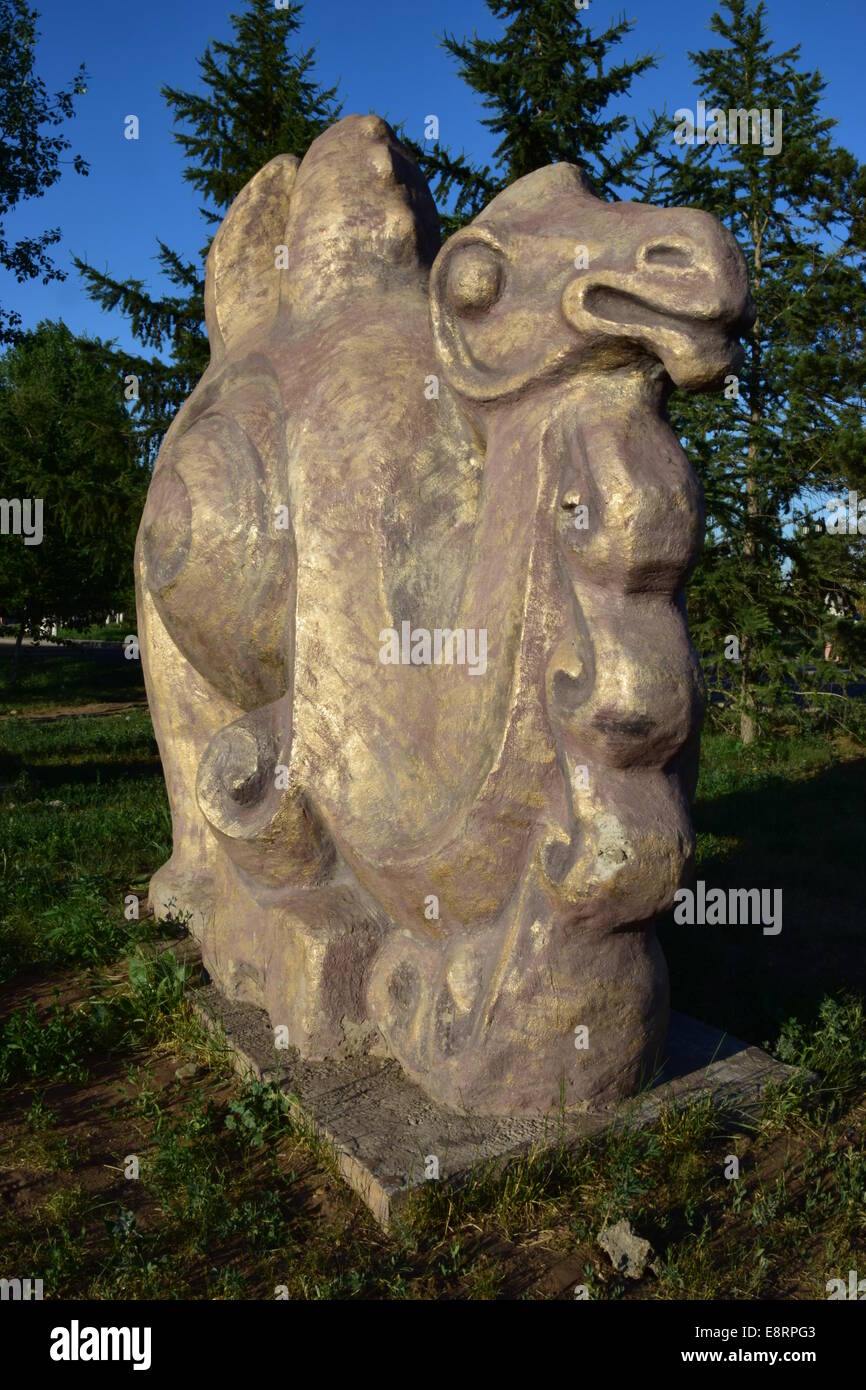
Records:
x=85, y=817
x=52, y=676
x=60, y=1044
x=125, y=1176
x=109, y=632
x=787, y=814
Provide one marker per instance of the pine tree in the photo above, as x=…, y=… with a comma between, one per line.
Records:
x=790, y=433
x=551, y=98
x=258, y=99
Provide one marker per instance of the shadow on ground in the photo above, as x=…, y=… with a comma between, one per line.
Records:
x=806, y=838
x=55, y=675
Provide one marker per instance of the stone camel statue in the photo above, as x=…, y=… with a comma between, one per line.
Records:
x=397, y=455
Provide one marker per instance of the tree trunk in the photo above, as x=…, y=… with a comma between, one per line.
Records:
x=16, y=659
x=748, y=722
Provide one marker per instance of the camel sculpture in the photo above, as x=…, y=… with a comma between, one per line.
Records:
x=398, y=455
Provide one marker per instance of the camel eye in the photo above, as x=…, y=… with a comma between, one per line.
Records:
x=474, y=278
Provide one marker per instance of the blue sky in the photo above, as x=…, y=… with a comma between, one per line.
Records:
x=384, y=55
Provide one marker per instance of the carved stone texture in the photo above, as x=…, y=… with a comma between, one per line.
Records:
x=410, y=597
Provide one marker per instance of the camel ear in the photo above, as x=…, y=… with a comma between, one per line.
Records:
x=242, y=280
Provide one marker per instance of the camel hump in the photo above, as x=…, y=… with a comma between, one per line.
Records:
x=362, y=218
x=355, y=214
x=242, y=278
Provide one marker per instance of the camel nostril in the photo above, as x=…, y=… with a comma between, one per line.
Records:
x=674, y=254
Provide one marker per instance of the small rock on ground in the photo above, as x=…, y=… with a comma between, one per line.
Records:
x=629, y=1253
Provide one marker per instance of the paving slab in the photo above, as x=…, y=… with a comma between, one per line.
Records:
x=384, y=1128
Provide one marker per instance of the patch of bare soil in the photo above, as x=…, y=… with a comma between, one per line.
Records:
x=76, y=711
x=94, y=1126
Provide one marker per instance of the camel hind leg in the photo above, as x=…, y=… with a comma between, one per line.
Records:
x=186, y=711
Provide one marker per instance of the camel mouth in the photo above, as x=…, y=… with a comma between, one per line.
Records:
x=696, y=337
x=664, y=315
x=628, y=310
